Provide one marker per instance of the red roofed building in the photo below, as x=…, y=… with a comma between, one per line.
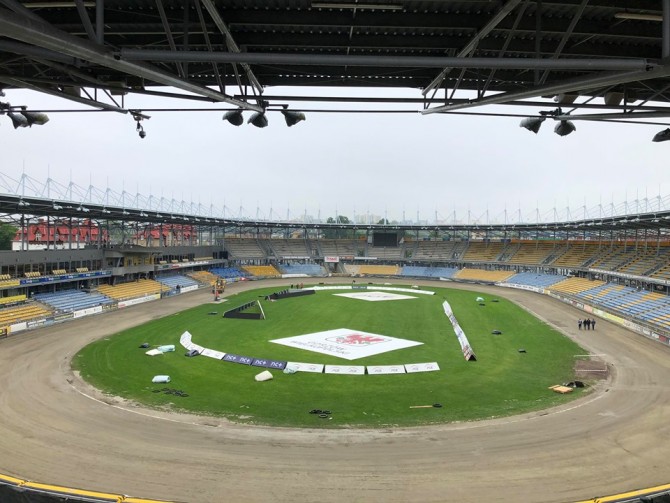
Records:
x=59, y=235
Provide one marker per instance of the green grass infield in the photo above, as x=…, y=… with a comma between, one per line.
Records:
x=502, y=381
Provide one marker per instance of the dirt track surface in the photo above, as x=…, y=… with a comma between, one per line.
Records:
x=54, y=429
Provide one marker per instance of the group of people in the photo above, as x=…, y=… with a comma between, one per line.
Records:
x=587, y=324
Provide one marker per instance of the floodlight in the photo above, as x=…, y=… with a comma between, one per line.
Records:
x=292, y=118
x=57, y=207
x=234, y=117
x=662, y=136
x=564, y=128
x=17, y=119
x=532, y=123
x=258, y=119
x=38, y=118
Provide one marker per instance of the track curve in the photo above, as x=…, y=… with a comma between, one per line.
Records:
x=56, y=429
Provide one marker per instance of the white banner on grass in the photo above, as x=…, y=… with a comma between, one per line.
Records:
x=346, y=343
x=373, y=287
x=374, y=296
x=305, y=367
x=185, y=339
x=345, y=369
x=213, y=353
x=421, y=367
x=386, y=369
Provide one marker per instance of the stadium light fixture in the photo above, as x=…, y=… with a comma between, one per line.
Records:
x=23, y=203
x=37, y=118
x=57, y=207
x=532, y=123
x=292, y=118
x=18, y=119
x=662, y=136
x=564, y=128
x=234, y=117
x=258, y=119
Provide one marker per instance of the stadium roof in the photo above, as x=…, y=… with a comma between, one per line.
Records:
x=653, y=224
x=604, y=57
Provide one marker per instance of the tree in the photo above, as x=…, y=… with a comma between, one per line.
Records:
x=338, y=233
x=7, y=233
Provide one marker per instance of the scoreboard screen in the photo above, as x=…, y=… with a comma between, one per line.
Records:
x=387, y=239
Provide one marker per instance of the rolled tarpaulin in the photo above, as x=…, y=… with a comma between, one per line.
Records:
x=263, y=376
x=165, y=349
x=161, y=379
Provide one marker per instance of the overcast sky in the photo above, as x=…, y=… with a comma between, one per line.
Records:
x=356, y=164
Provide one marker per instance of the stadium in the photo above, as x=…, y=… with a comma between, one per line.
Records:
x=87, y=265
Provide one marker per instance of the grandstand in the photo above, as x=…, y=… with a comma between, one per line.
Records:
x=244, y=249
x=302, y=269
x=531, y=253
x=378, y=270
x=479, y=251
x=437, y=250
x=428, y=272
x=289, y=248
x=482, y=275
x=179, y=280
x=24, y=313
x=204, y=277
x=133, y=289
x=72, y=300
x=575, y=285
x=262, y=271
x=228, y=272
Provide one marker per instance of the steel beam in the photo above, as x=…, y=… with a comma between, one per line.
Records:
x=100, y=21
x=84, y=101
x=230, y=42
x=658, y=114
x=389, y=61
x=569, y=86
x=44, y=35
x=31, y=51
x=470, y=46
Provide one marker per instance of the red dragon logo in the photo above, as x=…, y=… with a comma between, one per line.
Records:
x=357, y=339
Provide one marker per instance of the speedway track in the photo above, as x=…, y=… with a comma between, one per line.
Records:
x=56, y=429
